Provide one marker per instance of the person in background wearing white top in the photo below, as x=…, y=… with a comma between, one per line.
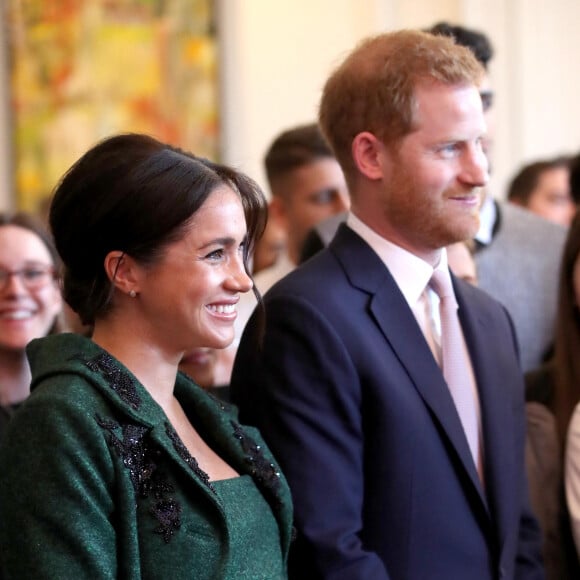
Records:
x=556, y=386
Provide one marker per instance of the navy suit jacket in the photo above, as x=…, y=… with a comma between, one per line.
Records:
x=354, y=406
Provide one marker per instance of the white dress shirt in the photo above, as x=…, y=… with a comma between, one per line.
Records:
x=412, y=276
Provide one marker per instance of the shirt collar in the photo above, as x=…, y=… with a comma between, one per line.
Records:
x=411, y=273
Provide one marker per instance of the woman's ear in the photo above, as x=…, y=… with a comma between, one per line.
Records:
x=121, y=270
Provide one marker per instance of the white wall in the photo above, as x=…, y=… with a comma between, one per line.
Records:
x=277, y=54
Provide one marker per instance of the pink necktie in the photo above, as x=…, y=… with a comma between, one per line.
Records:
x=455, y=367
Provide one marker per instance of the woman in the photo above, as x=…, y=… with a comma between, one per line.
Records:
x=553, y=394
x=30, y=303
x=567, y=372
x=207, y=368
x=119, y=465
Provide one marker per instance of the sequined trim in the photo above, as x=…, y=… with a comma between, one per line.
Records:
x=139, y=457
x=263, y=471
x=118, y=380
x=184, y=453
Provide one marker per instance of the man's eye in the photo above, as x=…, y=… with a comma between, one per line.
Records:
x=450, y=149
x=324, y=196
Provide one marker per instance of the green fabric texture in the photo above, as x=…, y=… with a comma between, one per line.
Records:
x=95, y=484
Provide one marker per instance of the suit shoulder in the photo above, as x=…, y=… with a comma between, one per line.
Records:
x=477, y=297
x=305, y=279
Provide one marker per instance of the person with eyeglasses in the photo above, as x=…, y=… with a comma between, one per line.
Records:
x=30, y=303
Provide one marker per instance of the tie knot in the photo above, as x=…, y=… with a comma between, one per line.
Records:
x=441, y=284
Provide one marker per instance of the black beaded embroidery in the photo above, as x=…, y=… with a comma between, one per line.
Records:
x=183, y=452
x=263, y=471
x=139, y=457
x=168, y=513
x=118, y=380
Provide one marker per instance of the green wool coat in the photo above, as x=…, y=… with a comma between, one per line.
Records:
x=96, y=484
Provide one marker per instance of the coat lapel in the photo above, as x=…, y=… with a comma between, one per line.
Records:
x=241, y=447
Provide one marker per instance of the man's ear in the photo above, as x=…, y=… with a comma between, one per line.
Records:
x=517, y=201
x=277, y=212
x=121, y=271
x=369, y=155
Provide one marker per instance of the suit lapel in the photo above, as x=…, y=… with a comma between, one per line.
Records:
x=391, y=313
x=495, y=410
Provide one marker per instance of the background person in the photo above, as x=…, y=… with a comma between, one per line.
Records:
x=30, y=303
x=143, y=473
x=205, y=366
x=269, y=247
x=461, y=262
x=561, y=378
x=543, y=187
x=307, y=186
x=554, y=388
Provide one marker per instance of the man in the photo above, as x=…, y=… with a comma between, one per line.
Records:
x=517, y=253
x=543, y=187
x=307, y=186
x=323, y=232
x=389, y=480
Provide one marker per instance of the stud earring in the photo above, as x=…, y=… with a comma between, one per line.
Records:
x=132, y=293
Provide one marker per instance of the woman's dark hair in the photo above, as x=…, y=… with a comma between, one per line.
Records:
x=134, y=194
x=567, y=341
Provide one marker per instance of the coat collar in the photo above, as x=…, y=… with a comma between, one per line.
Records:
x=237, y=444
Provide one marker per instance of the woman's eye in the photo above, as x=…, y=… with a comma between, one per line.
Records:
x=33, y=275
x=215, y=255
